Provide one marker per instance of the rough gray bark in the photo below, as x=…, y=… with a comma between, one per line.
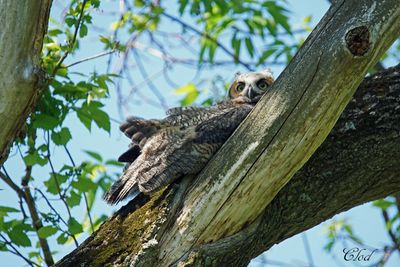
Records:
x=357, y=163
x=24, y=23
x=220, y=219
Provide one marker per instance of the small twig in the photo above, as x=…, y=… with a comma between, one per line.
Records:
x=388, y=251
x=21, y=206
x=392, y=235
x=84, y=194
x=122, y=9
x=397, y=198
x=11, y=184
x=51, y=206
x=90, y=58
x=150, y=84
x=307, y=249
x=189, y=61
x=58, y=184
x=16, y=252
x=205, y=35
x=138, y=85
x=72, y=43
x=37, y=225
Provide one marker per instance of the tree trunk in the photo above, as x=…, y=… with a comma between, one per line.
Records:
x=232, y=211
x=24, y=23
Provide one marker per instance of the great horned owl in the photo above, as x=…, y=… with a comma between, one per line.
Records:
x=164, y=150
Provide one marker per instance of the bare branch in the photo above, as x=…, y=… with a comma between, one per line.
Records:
x=205, y=35
x=84, y=194
x=16, y=252
x=90, y=58
x=11, y=184
x=53, y=172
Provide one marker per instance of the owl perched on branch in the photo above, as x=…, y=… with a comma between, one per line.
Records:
x=164, y=150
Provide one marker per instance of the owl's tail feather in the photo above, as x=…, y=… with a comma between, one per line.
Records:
x=139, y=130
x=121, y=190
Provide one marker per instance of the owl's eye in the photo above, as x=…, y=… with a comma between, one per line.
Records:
x=240, y=87
x=262, y=84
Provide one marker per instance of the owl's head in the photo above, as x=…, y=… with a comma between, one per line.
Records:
x=251, y=85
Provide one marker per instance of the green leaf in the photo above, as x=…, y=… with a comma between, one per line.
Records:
x=19, y=237
x=250, y=47
x=114, y=163
x=100, y=220
x=3, y=246
x=101, y=119
x=34, y=254
x=94, y=155
x=83, y=31
x=329, y=245
x=307, y=19
x=92, y=112
x=70, y=21
x=7, y=209
x=74, y=199
x=61, y=138
x=382, y=203
x=74, y=226
x=266, y=54
x=35, y=158
x=191, y=93
x=182, y=5
x=211, y=51
x=54, y=32
x=84, y=184
x=45, y=121
x=236, y=44
x=62, y=239
x=63, y=72
x=47, y=231
x=54, y=182
x=84, y=117
x=95, y=3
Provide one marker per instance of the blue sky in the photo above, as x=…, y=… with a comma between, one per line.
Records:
x=365, y=219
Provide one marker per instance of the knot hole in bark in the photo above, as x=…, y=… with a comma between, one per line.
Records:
x=357, y=40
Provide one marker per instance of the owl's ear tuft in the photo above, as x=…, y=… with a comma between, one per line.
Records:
x=267, y=72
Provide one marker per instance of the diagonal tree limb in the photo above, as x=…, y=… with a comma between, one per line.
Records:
x=236, y=204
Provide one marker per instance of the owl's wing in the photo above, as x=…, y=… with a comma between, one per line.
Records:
x=172, y=153
x=187, y=152
x=149, y=161
x=166, y=157
x=139, y=131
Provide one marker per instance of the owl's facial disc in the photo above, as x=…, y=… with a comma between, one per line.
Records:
x=251, y=85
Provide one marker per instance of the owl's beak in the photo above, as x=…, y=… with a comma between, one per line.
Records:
x=250, y=92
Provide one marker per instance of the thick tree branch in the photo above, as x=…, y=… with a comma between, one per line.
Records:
x=24, y=24
x=358, y=162
x=226, y=207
